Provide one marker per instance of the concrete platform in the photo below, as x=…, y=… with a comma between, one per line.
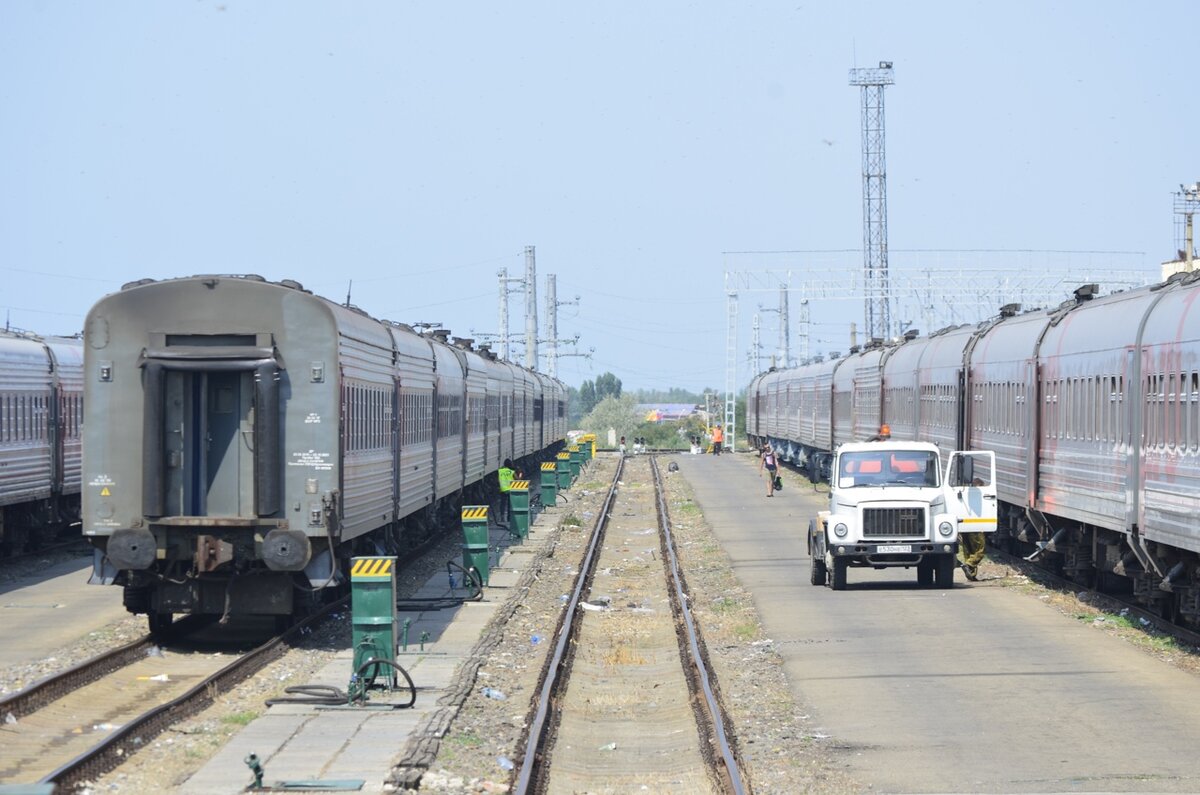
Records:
x=55, y=608
x=309, y=742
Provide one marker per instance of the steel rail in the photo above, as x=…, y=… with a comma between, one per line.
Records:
x=57, y=685
x=558, y=663
x=730, y=767
x=120, y=745
x=53, y=687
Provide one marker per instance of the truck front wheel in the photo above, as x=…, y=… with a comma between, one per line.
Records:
x=839, y=573
x=945, y=571
x=925, y=573
x=817, y=571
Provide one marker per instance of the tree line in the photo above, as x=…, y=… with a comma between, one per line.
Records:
x=596, y=406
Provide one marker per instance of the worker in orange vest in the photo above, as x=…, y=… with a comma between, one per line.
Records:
x=718, y=437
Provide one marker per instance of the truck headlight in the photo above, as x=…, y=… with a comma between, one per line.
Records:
x=840, y=530
x=946, y=529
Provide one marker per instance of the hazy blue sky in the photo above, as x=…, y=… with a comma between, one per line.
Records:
x=417, y=148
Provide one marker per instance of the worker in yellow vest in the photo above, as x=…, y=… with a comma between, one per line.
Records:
x=505, y=474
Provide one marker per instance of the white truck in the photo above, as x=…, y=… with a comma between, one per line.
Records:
x=889, y=505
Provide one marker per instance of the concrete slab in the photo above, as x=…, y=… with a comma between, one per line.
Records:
x=505, y=577
x=55, y=609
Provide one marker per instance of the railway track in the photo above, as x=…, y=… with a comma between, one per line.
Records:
x=627, y=702
x=81, y=723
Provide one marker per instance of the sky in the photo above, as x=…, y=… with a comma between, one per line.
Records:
x=642, y=148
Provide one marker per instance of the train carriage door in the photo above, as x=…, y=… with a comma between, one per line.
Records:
x=209, y=443
x=211, y=438
x=971, y=490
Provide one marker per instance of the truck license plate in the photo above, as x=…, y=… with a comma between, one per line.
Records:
x=893, y=548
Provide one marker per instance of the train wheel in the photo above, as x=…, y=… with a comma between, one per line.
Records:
x=839, y=573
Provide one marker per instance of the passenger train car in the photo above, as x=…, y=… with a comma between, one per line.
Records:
x=1092, y=409
x=243, y=438
x=41, y=408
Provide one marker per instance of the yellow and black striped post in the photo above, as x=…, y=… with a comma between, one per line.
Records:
x=549, y=484
x=518, y=503
x=576, y=461
x=373, y=615
x=475, y=536
x=563, y=468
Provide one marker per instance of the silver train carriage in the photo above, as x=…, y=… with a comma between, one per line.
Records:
x=244, y=437
x=1092, y=408
x=41, y=412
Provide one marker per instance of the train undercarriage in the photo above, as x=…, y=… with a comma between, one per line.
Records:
x=28, y=526
x=1160, y=578
x=222, y=571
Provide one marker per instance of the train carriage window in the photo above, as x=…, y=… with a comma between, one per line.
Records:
x=1048, y=410
x=1089, y=403
x=1069, y=417
x=1174, y=425
x=1150, y=429
x=1160, y=419
x=1010, y=408
x=1193, y=410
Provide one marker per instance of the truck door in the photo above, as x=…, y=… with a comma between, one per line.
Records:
x=971, y=490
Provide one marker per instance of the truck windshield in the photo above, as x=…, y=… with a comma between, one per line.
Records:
x=887, y=468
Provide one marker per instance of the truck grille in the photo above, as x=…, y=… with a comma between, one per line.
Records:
x=893, y=522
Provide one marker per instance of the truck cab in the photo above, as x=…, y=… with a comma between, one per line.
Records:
x=892, y=505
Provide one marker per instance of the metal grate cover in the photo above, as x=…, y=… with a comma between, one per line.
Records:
x=894, y=522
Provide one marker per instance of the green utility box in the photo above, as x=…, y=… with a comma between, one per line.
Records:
x=587, y=443
x=373, y=615
x=576, y=461
x=518, y=506
x=475, y=537
x=563, y=468
x=549, y=484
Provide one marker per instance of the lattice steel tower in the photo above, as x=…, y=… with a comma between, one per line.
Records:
x=874, y=175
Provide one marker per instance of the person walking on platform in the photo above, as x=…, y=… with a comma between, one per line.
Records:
x=718, y=437
x=769, y=463
x=505, y=474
